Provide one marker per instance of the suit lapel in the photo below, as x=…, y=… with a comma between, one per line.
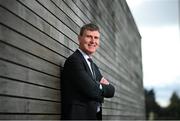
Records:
x=85, y=64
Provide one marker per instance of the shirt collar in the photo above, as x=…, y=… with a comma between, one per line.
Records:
x=84, y=54
x=86, y=58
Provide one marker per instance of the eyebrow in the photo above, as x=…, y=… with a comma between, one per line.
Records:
x=96, y=37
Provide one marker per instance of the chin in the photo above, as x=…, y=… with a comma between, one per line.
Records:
x=90, y=52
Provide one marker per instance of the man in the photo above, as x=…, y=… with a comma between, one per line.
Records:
x=83, y=86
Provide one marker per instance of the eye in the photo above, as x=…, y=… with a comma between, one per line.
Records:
x=96, y=37
x=89, y=36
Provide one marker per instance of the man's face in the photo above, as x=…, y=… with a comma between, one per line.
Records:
x=89, y=41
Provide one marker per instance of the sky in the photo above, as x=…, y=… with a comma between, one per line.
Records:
x=158, y=22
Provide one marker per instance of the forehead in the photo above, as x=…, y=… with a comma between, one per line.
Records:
x=90, y=32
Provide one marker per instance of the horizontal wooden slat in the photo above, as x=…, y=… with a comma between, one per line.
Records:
x=16, y=72
x=124, y=117
x=61, y=4
x=43, y=25
x=82, y=8
x=20, y=105
x=49, y=17
x=20, y=116
x=21, y=89
x=122, y=105
x=28, y=60
x=77, y=11
x=32, y=33
x=60, y=15
x=11, y=37
x=123, y=112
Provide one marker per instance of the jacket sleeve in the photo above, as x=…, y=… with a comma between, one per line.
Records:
x=108, y=90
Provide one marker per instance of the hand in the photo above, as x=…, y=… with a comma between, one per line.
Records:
x=104, y=81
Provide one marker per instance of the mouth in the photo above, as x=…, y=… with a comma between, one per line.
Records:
x=92, y=45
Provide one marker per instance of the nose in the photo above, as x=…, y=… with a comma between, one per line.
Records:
x=92, y=40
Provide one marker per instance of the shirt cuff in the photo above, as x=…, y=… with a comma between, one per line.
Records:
x=100, y=86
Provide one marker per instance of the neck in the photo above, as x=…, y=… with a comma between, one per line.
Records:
x=90, y=55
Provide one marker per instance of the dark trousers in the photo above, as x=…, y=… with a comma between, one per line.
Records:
x=99, y=115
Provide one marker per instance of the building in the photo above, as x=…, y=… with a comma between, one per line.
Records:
x=36, y=36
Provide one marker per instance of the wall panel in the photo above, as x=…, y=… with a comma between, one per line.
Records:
x=36, y=37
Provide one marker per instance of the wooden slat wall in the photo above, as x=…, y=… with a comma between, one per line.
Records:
x=36, y=37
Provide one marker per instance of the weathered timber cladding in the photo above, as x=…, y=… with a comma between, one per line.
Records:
x=36, y=37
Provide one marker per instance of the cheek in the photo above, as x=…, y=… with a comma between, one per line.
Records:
x=84, y=43
x=97, y=43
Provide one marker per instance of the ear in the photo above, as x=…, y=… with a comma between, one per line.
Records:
x=79, y=38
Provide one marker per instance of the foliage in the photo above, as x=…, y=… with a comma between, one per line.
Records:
x=155, y=111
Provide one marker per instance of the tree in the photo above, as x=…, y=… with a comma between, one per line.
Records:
x=152, y=108
x=154, y=111
x=174, y=107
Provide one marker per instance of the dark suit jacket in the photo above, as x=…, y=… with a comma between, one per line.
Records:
x=80, y=93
